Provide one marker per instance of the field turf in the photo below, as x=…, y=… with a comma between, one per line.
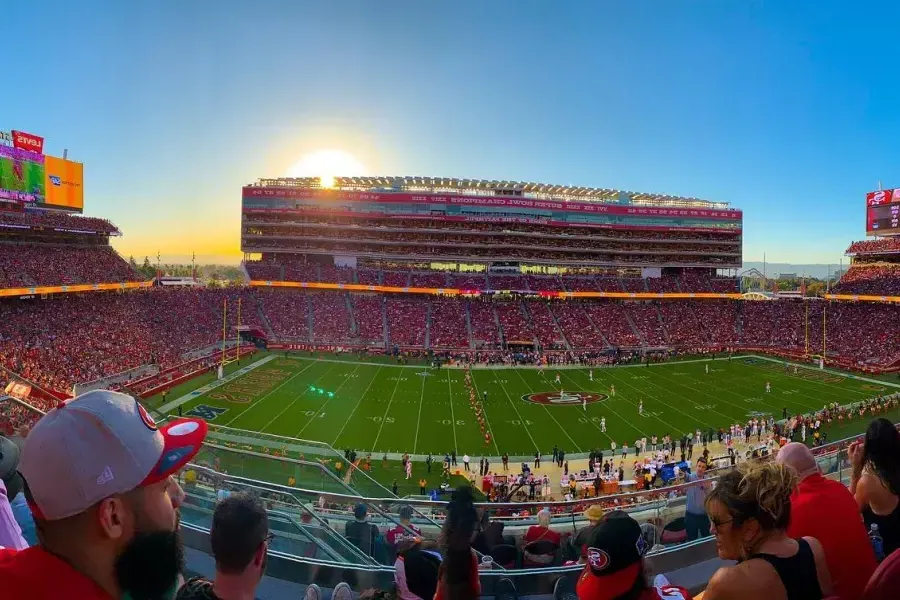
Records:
x=384, y=407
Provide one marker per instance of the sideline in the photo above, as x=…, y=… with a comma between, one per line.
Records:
x=169, y=406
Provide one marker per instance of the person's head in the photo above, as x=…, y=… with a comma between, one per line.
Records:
x=701, y=468
x=798, y=457
x=594, y=514
x=99, y=478
x=881, y=453
x=543, y=517
x=405, y=513
x=615, y=565
x=748, y=505
x=359, y=511
x=239, y=537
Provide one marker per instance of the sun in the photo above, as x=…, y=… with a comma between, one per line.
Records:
x=326, y=165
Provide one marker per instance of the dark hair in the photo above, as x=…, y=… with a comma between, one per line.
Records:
x=881, y=453
x=421, y=570
x=456, y=546
x=760, y=491
x=239, y=526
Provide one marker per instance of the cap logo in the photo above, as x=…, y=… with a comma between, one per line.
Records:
x=172, y=457
x=106, y=476
x=598, y=559
x=145, y=417
x=186, y=428
x=641, y=545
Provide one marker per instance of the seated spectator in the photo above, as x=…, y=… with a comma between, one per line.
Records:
x=360, y=532
x=593, y=514
x=405, y=530
x=239, y=537
x=98, y=475
x=458, y=574
x=415, y=572
x=876, y=481
x=825, y=509
x=750, y=509
x=615, y=564
x=10, y=487
x=542, y=530
x=490, y=534
x=537, y=536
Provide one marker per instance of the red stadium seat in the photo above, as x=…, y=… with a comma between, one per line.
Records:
x=885, y=581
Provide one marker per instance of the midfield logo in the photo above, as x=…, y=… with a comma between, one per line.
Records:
x=207, y=413
x=564, y=398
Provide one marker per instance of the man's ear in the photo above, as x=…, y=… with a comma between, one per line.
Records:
x=114, y=518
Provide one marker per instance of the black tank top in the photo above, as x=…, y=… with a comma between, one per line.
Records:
x=888, y=527
x=797, y=573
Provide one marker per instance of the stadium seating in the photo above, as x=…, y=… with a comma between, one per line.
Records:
x=610, y=320
x=513, y=322
x=287, y=313
x=406, y=317
x=448, y=324
x=881, y=245
x=56, y=220
x=331, y=319
x=367, y=311
x=548, y=334
x=877, y=280
x=484, y=325
x=27, y=265
x=646, y=318
x=576, y=325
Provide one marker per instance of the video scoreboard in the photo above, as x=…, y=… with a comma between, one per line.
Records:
x=883, y=212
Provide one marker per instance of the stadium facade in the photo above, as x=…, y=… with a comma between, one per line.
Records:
x=455, y=224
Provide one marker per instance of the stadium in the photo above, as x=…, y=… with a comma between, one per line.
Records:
x=393, y=333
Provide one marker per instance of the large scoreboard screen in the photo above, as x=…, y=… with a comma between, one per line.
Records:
x=883, y=212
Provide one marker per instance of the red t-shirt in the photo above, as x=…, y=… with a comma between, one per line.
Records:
x=399, y=533
x=826, y=510
x=536, y=533
x=35, y=574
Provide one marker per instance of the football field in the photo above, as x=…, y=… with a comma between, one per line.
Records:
x=390, y=408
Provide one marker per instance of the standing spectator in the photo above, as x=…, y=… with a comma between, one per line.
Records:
x=239, y=537
x=696, y=523
x=415, y=572
x=360, y=532
x=825, y=509
x=458, y=574
x=750, y=509
x=98, y=475
x=876, y=480
x=466, y=462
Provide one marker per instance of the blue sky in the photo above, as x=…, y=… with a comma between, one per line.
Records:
x=788, y=110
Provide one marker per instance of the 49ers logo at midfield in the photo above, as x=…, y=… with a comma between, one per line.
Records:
x=564, y=398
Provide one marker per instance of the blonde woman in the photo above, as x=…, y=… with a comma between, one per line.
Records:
x=750, y=509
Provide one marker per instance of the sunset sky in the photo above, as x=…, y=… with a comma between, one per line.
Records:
x=785, y=109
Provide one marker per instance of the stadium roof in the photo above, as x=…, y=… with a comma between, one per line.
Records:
x=483, y=187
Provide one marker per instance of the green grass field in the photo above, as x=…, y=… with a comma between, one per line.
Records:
x=32, y=177
x=388, y=408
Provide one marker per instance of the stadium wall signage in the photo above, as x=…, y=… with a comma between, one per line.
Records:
x=27, y=141
x=70, y=289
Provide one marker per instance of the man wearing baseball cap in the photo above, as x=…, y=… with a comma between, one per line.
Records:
x=615, y=564
x=99, y=480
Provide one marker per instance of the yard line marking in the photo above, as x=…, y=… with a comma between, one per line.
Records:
x=515, y=408
x=296, y=400
x=419, y=420
x=258, y=402
x=547, y=410
x=321, y=408
x=386, y=413
x=452, y=415
x=358, y=402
